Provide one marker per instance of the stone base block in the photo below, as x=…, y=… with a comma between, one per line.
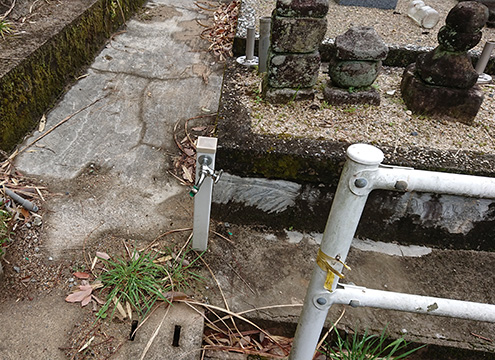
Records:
x=380, y=4
x=293, y=70
x=283, y=96
x=338, y=96
x=460, y=105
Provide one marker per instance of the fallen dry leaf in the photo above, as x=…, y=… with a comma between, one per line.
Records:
x=42, y=123
x=102, y=255
x=187, y=174
x=81, y=275
x=83, y=295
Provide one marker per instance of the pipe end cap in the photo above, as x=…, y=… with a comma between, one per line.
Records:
x=365, y=154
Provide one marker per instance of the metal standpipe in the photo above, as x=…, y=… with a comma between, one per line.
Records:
x=483, y=61
x=339, y=231
x=206, y=149
x=363, y=173
x=264, y=43
x=249, y=59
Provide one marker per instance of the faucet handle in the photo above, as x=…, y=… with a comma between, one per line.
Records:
x=216, y=176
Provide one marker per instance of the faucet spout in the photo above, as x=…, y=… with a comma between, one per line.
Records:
x=204, y=172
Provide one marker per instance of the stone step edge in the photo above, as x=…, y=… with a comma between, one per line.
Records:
x=33, y=86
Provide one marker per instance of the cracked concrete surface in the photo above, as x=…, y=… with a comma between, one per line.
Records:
x=106, y=165
x=152, y=75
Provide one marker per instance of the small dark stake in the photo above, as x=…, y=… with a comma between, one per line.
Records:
x=134, y=326
x=176, y=336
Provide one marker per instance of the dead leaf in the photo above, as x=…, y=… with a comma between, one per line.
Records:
x=83, y=295
x=187, y=174
x=81, y=275
x=162, y=259
x=42, y=123
x=119, y=306
x=199, y=128
x=86, y=300
x=25, y=213
x=175, y=295
x=87, y=344
x=103, y=255
x=129, y=310
x=98, y=300
x=189, y=152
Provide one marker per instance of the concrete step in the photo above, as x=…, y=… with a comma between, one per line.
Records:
x=179, y=336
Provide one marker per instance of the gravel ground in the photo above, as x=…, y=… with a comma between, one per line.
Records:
x=390, y=123
x=394, y=26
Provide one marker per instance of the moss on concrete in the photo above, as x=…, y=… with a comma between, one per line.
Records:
x=32, y=87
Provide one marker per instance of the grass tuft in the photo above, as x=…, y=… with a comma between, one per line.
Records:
x=5, y=28
x=369, y=347
x=143, y=280
x=4, y=229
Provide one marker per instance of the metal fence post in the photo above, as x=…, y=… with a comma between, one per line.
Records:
x=342, y=223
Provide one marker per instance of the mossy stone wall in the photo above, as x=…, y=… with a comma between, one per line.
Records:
x=32, y=87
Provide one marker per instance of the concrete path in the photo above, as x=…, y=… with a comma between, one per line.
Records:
x=109, y=161
x=141, y=84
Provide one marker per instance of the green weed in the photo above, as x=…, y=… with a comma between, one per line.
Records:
x=142, y=281
x=369, y=347
x=4, y=229
x=326, y=105
x=5, y=28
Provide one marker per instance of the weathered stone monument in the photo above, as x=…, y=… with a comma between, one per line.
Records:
x=443, y=81
x=355, y=66
x=298, y=28
x=490, y=4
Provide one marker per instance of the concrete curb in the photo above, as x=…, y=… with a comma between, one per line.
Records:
x=316, y=164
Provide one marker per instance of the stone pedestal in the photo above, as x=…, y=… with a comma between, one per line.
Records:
x=293, y=70
x=455, y=104
x=337, y=96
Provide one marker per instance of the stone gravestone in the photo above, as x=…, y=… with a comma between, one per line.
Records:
x=355, y=66
x=380, y=4
x=443, y=81
x=298, y=28
x=490, y=4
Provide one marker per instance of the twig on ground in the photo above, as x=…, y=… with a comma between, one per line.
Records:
x=163, y=235
x=482, y=337
x=221, y=292
x=244, y=281
x=230, y=313
x=8, y=11
x=86, y=260
x=53, y=128
x=265, y=308
x=223, y=237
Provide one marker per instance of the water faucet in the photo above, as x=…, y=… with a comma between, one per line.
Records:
x=204, y=171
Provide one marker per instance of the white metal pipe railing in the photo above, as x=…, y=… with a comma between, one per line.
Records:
x=361, y=174
x=342, y=223
x=357, y=296
x=407, y=179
